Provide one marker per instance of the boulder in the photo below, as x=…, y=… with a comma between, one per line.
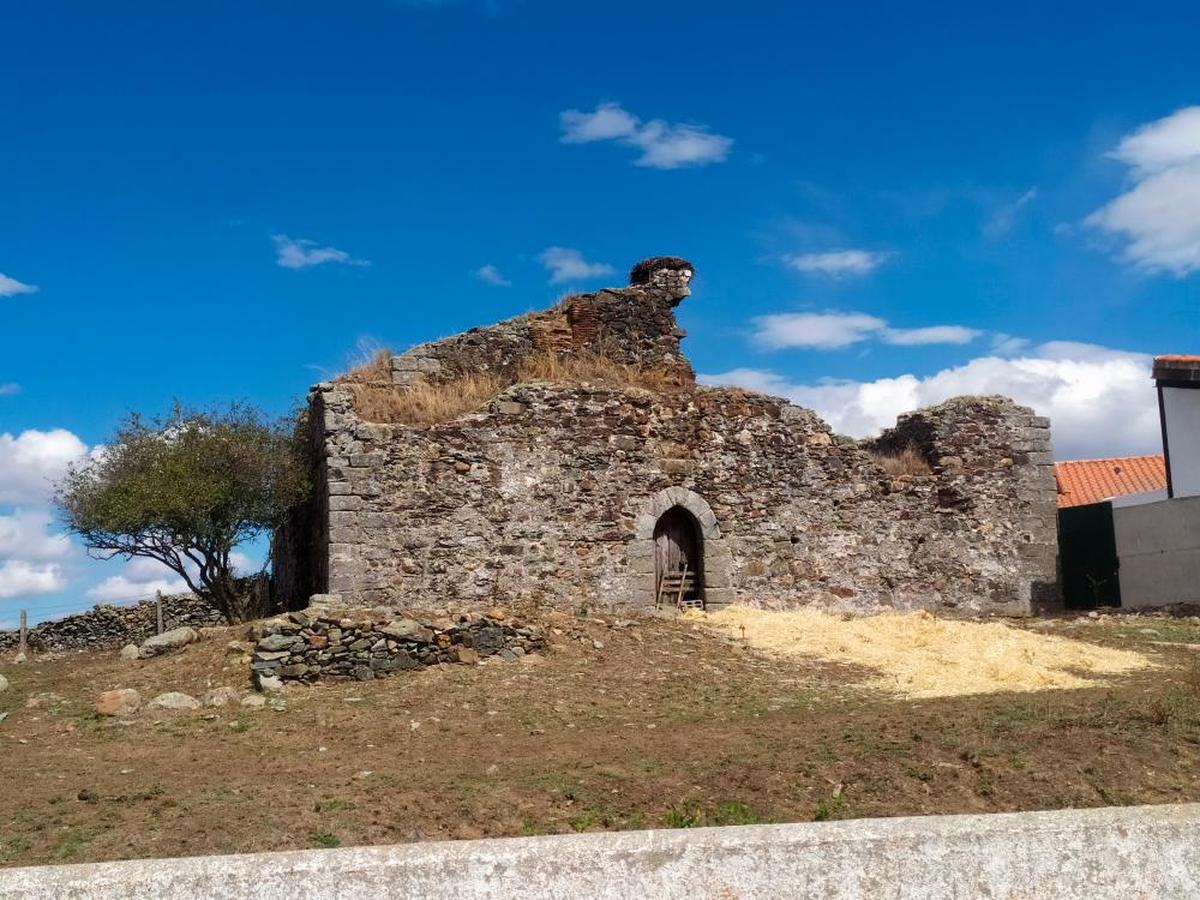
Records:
x=254, y=701
x=130, y=652
x=121, y=702
x=175, y=700
x=3, y=684
x=167, y=642
x=221, y=696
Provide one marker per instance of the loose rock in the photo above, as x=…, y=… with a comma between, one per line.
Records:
x=121, y=702
x=130, y=652
x=175, y=700
x=221, y=696
x=174, y=639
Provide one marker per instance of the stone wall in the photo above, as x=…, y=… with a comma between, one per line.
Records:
x=115, y=626
x=344, y=644
x=634, y=325
x=552, y=492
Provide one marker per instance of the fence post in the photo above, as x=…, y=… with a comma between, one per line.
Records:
x=158, y=612
x=23, y=643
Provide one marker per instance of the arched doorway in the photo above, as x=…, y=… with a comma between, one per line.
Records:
x=678, y=559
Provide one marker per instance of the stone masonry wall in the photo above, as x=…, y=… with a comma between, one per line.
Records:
x=552, y=492
x=634, y=325
x=115, y=626
x=342, y=644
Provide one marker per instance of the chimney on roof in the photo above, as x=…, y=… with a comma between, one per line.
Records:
x=1177, y=379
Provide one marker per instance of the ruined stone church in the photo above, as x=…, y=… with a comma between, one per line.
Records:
x=595, y=471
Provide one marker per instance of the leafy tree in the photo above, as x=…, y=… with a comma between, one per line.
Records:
x=186, y=490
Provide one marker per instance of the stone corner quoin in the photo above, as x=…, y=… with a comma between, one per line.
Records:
x=557, y=492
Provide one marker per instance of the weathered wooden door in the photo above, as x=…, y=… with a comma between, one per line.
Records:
x=678, y=558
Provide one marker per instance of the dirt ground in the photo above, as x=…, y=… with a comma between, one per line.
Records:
x=652, y=724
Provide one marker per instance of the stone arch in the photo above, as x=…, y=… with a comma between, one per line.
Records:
x=718, y=560
x=643, y=528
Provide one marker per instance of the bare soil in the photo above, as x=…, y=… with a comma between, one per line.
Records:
x=653, y=724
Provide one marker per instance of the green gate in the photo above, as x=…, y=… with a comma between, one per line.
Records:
x=1087, y=548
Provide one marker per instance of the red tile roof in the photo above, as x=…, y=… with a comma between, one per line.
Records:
x=1092, y=480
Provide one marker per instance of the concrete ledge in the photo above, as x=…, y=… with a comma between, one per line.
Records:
x=1128, y=853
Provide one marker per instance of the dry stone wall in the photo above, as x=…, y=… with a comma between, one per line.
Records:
x=345, y=644
x=552, y=492
x=115, y=626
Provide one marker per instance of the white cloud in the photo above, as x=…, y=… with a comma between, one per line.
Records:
x=838, y=263
x=1003, y=220
x=141, y=578
x=825, y=331
x=1100, y=401
x=1159, y=215
x=25, y=535
x=10, y=287
x=831, y=330
x=19, y=578
x=298, y=253
x=9, y=389
x=489, y=274
x=663, y=145
x=565, y=264
x=932, y=334
x=119, y=588
x=31, y=461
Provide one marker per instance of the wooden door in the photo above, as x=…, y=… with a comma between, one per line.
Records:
x=677, y=550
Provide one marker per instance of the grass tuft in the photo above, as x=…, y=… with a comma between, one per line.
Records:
x=908, y=461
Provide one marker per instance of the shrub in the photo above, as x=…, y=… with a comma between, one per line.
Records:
x=185, y=490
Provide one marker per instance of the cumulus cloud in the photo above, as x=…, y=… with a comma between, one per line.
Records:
x=489, y=274
x=1158, y=217
x=19, y=578
x=31, y=461
x=831, y=330
x=1100, y=401
x=10, y=287
x=663, y=145
x=298, y=253
x=838, y=263
x=140, y=578
x=25, y=535
x=566, y=264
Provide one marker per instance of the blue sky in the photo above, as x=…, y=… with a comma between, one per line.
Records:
x=885, y=204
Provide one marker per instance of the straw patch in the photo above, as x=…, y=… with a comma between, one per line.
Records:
x=919, y=655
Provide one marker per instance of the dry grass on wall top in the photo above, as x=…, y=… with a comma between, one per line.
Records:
x=427, y=403
x=918, y=655
x=375, y=368
x=587, y=368
x=908, y=461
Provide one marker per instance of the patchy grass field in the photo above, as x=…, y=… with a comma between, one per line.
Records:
x=659, y=723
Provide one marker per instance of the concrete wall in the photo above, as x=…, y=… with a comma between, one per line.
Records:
x=1181, y=408
x=1139, y=852
x=1158, y=545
